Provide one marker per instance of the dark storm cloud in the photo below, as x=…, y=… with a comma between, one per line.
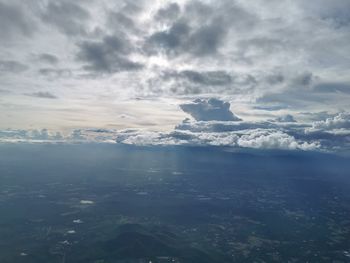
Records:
x=207, y=39
x=42, y=94
x=180, y=38
x=108, y=55
x=199, y=29
x=10, y=66
x=67, y=16
x=14, y=21
x=171, y=40
x=209, y=109
x=191, y=81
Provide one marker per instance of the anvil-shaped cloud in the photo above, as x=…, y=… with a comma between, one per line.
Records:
x=209, y=110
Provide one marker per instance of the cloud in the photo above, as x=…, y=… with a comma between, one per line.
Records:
x=170, y=12
x=107, y=56
x=190, y=82
x=264, y=135
x=198, y=29
x=304, y=79
x=273, y=139
x=209, y=109
x=318, y=116
x=333, y=87
x=339, y=121
x=56, y=73
x=48, y=58
x=207, y=39
x=67, y=16
x=39, y=135
x=4, y=91
x=48, y=136
x=212, y=127
x=270, y=107
x=333, y=134
x=333, y=12
x=223, y=126
x=256, y=138
x=267, y=62
x=14, y=21
x=207, y=78
x=77, y=135
x=286, y=118
x=10, y=66
x=42, y=94
x=122, y=22
x=171, y=41
x=139, y=137
x=252, y=138
x=11, y=135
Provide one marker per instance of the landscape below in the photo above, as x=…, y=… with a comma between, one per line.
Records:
x=104, y=203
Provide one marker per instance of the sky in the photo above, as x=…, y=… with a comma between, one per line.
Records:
x=245, y=73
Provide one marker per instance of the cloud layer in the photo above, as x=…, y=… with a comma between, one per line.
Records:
x=332, y=134
x=102, y=59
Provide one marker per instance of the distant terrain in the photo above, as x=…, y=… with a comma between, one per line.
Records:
x=104, y=203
